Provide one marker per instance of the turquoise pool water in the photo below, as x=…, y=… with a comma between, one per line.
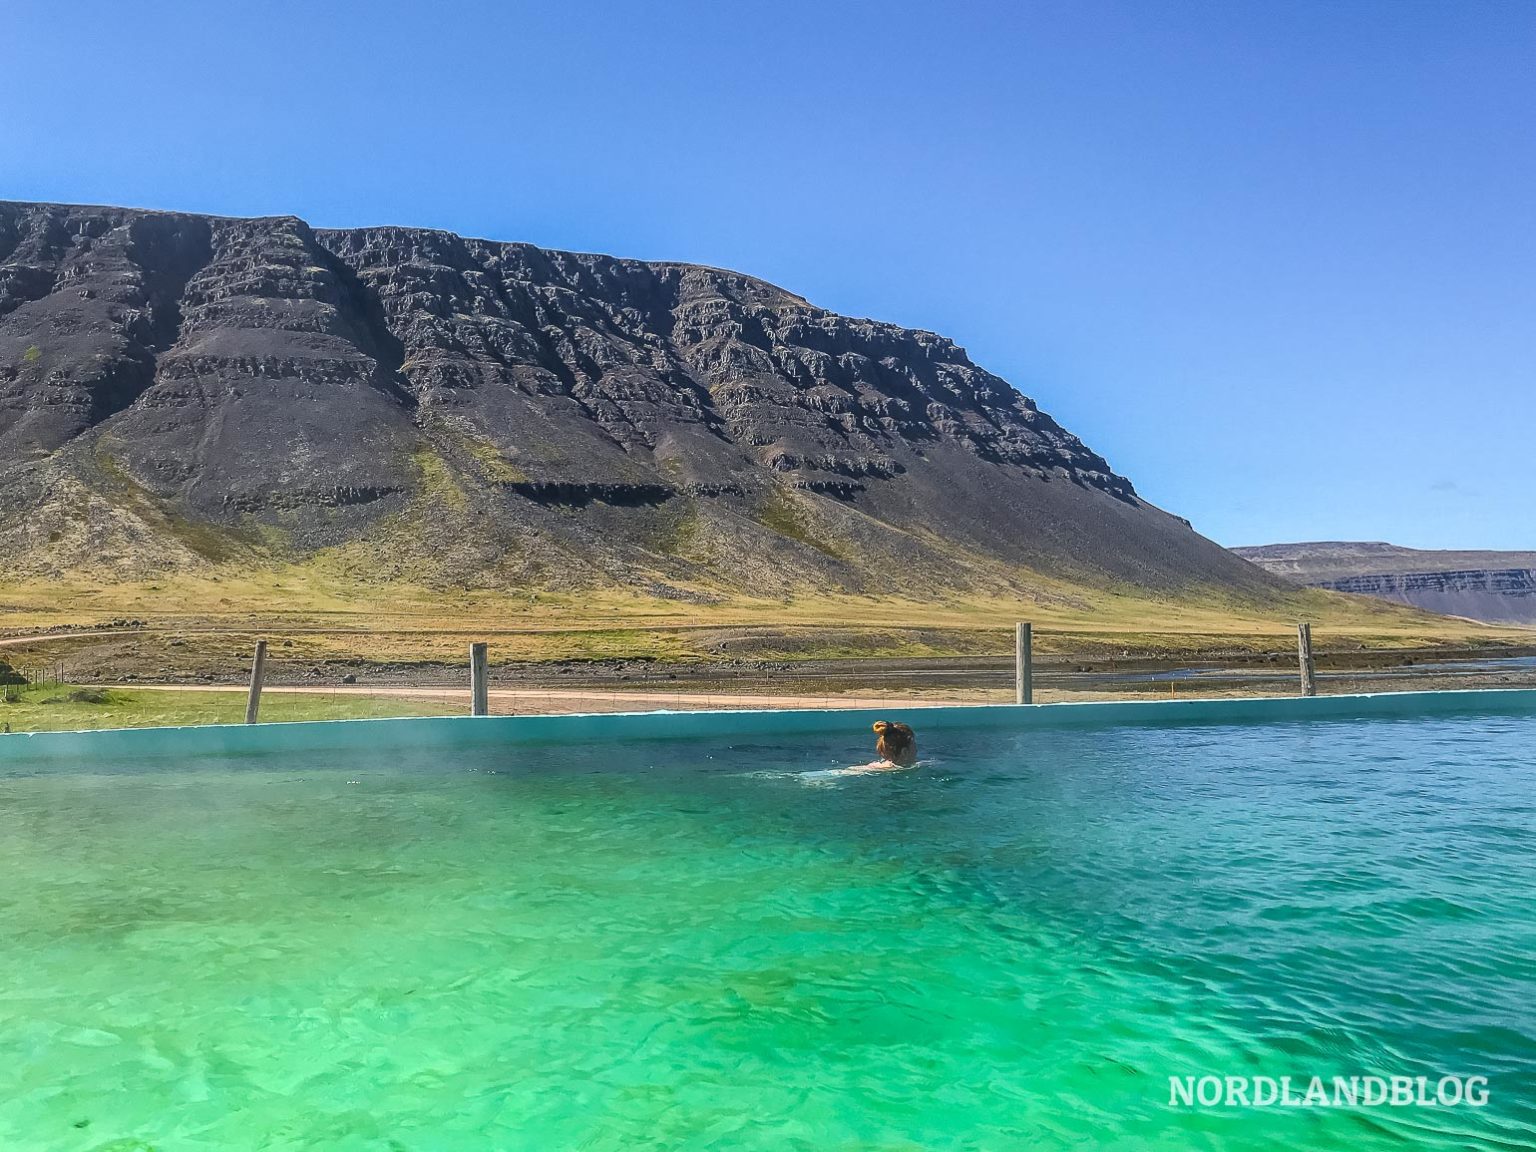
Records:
x=715, y=945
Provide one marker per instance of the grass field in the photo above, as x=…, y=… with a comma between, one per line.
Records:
x=321, y=625
x=73, y=707
x=200, y=631
x=415, y=624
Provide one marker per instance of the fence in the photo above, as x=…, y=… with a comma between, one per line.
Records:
x=1037, y=671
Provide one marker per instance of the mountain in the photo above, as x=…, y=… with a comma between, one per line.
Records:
x=1497, y=587
x=182, y=392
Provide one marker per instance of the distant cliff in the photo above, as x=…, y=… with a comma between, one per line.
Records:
x=1497, y=587
x=181, y=391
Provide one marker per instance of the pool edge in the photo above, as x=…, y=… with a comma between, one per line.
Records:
x=570, y=728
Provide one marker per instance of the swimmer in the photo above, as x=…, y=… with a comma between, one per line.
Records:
x=896, y=745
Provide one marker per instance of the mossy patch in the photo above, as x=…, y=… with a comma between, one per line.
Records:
x=438, y=482
x=489, y=460
x=780, y=512
x=218, y=544
x=678, y=532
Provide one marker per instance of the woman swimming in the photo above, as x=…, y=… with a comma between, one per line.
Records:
x=896, y=744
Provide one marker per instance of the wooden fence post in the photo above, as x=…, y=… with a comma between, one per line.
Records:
x=479, y=697
x=258, y=670
x=1023, y=664
x=1304, y=655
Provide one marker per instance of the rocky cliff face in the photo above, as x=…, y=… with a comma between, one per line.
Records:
x=1504, y=596
x=1497, y=587
x=179, y=390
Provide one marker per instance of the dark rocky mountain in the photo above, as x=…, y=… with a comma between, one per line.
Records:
x=182, y=391
x=1497, y=587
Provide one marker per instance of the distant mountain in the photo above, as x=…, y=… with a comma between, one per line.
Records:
x=179, y=392
x=1498, y=587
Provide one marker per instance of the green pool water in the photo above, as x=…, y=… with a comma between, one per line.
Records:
x=714, y=945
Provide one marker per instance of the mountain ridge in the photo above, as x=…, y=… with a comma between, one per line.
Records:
x=180, y=390
x=1497, y=587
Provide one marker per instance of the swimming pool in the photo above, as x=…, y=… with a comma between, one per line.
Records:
x=716, y=944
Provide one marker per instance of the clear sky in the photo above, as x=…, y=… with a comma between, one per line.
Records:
x=1275, y=259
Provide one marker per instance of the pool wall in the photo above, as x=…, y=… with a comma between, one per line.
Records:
x=466, y=731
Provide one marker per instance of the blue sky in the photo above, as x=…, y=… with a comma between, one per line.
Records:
x=1276, y=261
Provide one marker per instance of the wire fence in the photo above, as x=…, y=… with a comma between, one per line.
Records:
x=55, y=694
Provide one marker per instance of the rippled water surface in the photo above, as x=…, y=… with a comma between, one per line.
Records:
x=715, y=946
